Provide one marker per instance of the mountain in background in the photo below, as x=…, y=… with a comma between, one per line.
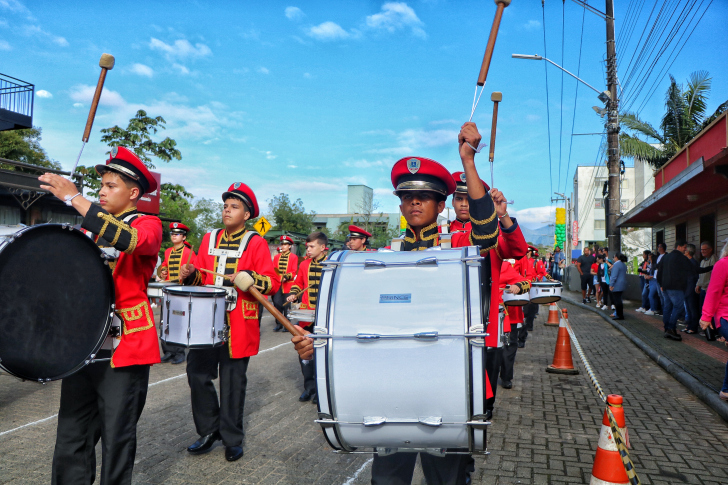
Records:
x=541, y=236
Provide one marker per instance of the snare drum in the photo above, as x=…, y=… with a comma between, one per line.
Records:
x=56, y=301
x=386, y=334
x=194, y=316
x=509, y=299
x=302, y=318
x=154, y=289
x=545, y=292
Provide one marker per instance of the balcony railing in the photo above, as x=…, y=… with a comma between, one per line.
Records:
x=16, y=103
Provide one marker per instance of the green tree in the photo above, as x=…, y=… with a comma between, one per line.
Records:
x=24, y=146
x=290, y=216
x=685, y=116
x=201, y=215
x=136, y=137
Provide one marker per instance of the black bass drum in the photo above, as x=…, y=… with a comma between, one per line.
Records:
x=56, y=300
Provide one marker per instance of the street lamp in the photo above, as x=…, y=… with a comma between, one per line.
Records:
x=604, y=96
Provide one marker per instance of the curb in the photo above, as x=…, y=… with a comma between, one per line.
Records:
x=705, y=394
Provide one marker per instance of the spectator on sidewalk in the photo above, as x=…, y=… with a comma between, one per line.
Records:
x=644, y=272
x=617, y=284
x=673, y=273
x=583, y=265
x=706, y=252
x=715, y=307
x=604, y=278
x=691, y=307
x=654, y=286
x=557, y=263
x=595, y=279
x=661, y=251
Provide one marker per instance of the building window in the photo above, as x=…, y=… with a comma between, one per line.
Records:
x=681, y=232
x=598, y=224
x=9, y=216
x=598, y=203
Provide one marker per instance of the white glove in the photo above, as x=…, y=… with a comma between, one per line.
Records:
x=243, y=281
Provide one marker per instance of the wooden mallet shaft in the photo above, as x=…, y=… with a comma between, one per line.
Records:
x=496, y=97
x=106, y=64
x=500, y=6
x=268, y=306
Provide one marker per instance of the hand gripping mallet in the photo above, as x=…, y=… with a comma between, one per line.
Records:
x=106, y=64
x=263, y=301
x=496, y=97
x=500, y=6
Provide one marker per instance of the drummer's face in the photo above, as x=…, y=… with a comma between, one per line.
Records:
x=114, y=195
x=420, y=208
x=234, y=214
x=461, y=206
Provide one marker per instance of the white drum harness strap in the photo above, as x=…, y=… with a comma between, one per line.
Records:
x=224, y=254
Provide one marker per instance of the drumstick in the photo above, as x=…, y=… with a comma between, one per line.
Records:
x=189, y=257
x=485, y=66
x=297, y=294
x=496, y=97
x=268, y=306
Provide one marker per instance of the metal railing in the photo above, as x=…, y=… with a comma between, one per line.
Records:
x=16, y=95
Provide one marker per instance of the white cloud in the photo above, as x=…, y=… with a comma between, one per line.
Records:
x=84, y=94
x=307, y=75
x=263, y=70
x=36, y=31
x=78, y=105
x=142, y=70
x=4, y=46
x=42, y=93
x=180, y=68
x=532, y=118
x=15, y=6
x=294, y=13
x=363, y=163
x=396, y=16
x=444, y=122
x=180, y=49
x=292, y=166
x=328, y=31
x=535, y=216
x=416, y=138
x=532, y=25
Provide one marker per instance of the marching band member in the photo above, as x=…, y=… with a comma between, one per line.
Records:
x=511, y=244
x=233, y=251
x=530, y=310
x=306, y=287
x=104, y=401
x=423, y=186
x=180, y=253
x=513, y=281
x=358, y=238
x=286, y=265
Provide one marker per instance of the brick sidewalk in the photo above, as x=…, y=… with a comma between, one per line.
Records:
x=697, y=356
x=544, y=431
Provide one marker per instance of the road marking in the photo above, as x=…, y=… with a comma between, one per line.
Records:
x=150, y=385
x=356, y=475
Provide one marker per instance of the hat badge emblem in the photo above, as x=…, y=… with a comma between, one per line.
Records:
x=413, y=165
x=236, y=185
x=114, y=152
x=462, y=177
x=176, y=225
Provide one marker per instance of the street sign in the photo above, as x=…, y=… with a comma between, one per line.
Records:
x=262, y=226
x=575, y=233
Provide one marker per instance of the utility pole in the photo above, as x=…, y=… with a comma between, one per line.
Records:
x=613, y=156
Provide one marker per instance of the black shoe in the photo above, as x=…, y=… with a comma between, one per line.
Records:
x=617, y=318
x=306, y=396
x=167, y=357
x=315, y=399
x=583, y=301
x=179, y=358
x=204, y=444
x=588, y=300
x=279, y=328
x=672, y=334
x=507, y=384
x=488, y=414
x=521, y=345
x=233, y=453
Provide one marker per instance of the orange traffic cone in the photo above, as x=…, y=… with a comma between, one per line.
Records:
x=553, y=320
x=608, y=468
x=563, y=363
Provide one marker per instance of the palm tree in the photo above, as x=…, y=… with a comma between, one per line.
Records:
x=684, y=118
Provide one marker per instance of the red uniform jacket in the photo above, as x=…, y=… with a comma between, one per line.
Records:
x=309, y=275
x=138, y=244
x=286, y=265
x=512, y=274
x=540, y=270
x=459, y=226
x=243, y=328
x=174, y=258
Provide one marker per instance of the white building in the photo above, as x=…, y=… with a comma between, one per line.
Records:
x=588, y=203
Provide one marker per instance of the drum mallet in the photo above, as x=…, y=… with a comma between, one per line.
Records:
x=106, y=64
x=263, y=301
x=496, y=97
x=482, y=76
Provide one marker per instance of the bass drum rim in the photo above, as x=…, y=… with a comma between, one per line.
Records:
x=8, y=240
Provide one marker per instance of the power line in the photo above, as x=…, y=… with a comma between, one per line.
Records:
x=561, y=119
x=576, y=97
x=548, y=114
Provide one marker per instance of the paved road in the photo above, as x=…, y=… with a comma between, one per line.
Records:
x=545, y=429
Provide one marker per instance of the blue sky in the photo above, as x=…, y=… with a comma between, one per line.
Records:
x=307, y=97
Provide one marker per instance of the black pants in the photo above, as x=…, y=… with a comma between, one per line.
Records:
x=529, y=312
x=606, y=293
x=493, y=361
x=99, y=402
x=617, y=302
x=509, y=356
x=279, y=299
x=173, y=349
x=309, y=369
x=209, y=414
x=397, y=469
